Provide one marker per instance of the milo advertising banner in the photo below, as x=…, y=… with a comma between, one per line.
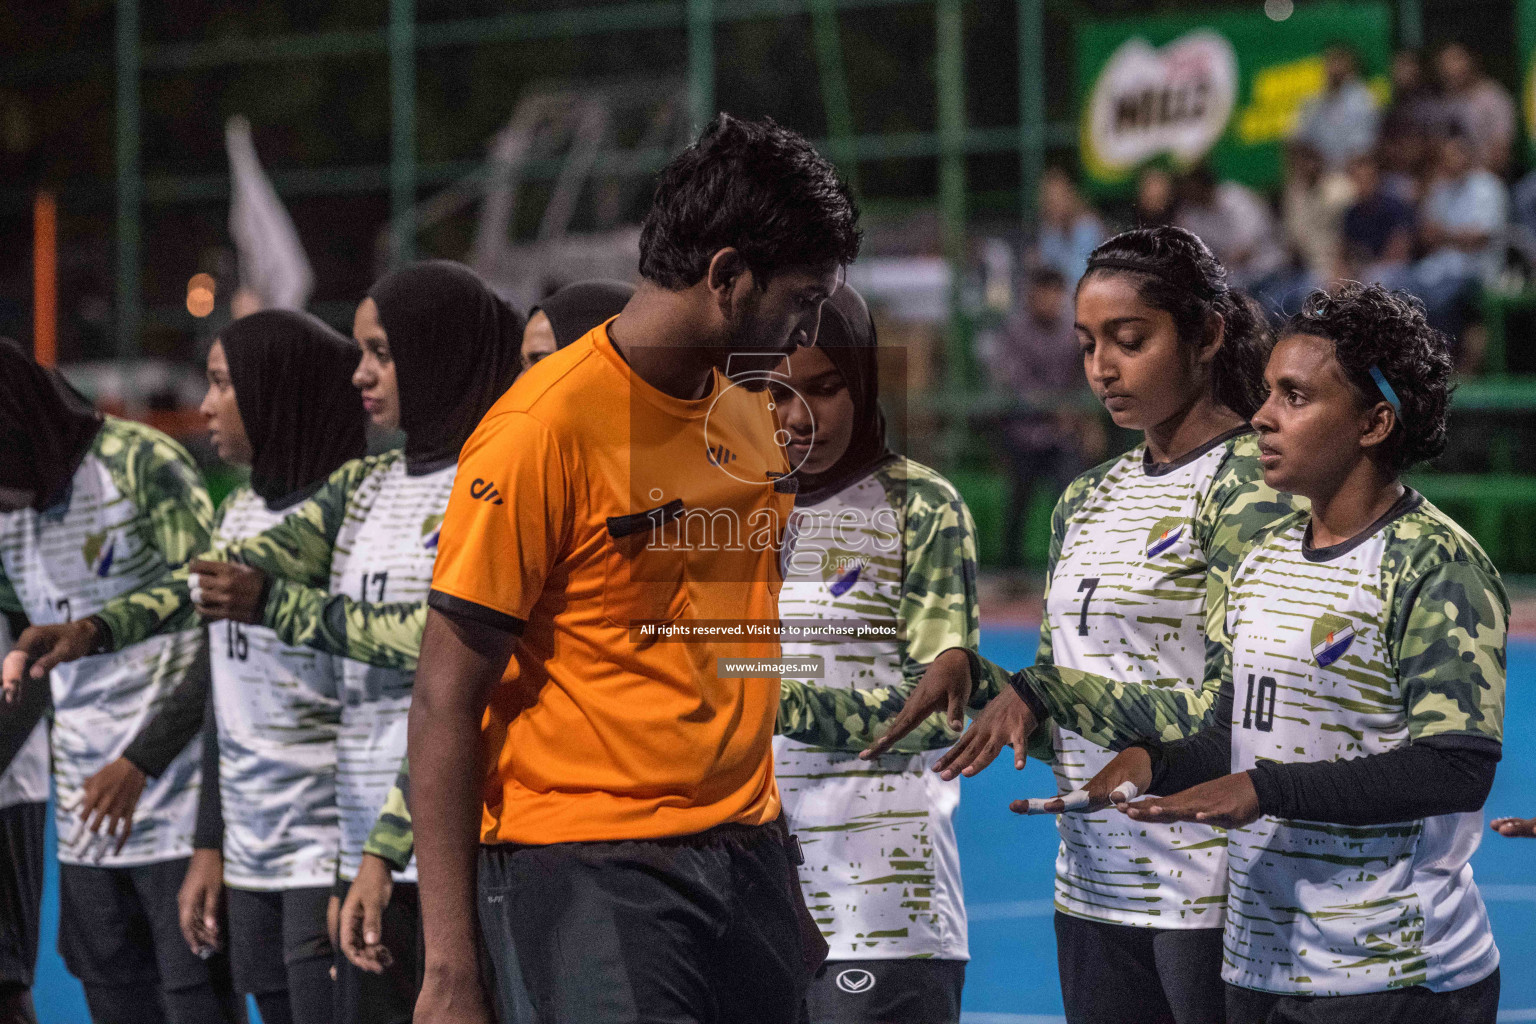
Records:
x=1225, y=86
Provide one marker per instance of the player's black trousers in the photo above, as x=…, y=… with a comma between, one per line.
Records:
x=1115, y=973
x=280, y=952
x=119, y=934
x=388, y=998
x=1475, y=1004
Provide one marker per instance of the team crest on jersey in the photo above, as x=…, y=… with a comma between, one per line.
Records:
x=430, y=528
x=98, y=552
x=845, y=580
x=1332, y=635
x=1165, y=533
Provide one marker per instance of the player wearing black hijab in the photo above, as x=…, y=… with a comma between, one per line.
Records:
x=886, y=541
x=93, y=508
x=280, y=399
x=569, y=313
x=347, y=572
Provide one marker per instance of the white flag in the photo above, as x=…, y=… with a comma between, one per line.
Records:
x=272, y=261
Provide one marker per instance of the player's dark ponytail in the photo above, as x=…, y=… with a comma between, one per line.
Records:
x=1176, y=272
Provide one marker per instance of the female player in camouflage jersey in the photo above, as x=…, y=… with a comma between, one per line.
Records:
x=280, y=400
x=93, y=507
x=1361, y=706
x=883, y=541
x=1139, y=549
x=346, y=573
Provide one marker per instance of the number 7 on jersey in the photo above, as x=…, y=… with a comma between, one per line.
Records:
x=1090, y=585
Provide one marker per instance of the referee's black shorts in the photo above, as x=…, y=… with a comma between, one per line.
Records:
x=693, y=929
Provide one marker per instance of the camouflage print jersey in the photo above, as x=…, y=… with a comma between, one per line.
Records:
x=135, y=509
x=351, y=568
x=1113, y=711
x=25, y=779
x=935, y=594
x=1139, y=557
x=278, y=713
x=882, y=870
x=1364, y=647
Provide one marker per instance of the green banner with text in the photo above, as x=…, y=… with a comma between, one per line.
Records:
x=1224, y=86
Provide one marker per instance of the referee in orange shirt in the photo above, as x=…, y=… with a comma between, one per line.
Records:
x=601, y=800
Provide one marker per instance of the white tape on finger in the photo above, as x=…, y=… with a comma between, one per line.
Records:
x=1076, y=800
x=195, y=588
x=1127, y=790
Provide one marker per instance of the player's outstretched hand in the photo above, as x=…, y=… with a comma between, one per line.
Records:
x=1006, y=721
x=106, y=809
x=226, y=590
x=946, y=686
x=43, y=647
x=1119, y=782
x=1227, y=802
x=1515, y=828
x=451, y=995
x=197, y=904
x=362, y=916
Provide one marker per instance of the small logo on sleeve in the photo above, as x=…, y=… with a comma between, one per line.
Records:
x=431, y=529
x=1332, y=635
x=1165, y=533
x=484, y=490
x=845, y=580
x=98, y=553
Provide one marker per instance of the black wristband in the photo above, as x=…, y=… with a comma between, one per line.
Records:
x=261, y=598
x=103, y=644
x=977, y=672
x=1021, y=686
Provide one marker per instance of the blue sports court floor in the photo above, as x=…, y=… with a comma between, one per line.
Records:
x=1007, y=861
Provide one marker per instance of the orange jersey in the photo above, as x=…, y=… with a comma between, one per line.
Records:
x=587, y=501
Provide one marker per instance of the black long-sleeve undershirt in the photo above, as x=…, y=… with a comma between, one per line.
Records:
x=178, y=720
x=209, y=834
x=1431, y=776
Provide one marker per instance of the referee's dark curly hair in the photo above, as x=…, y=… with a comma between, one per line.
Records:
x=1372, y=326
x=755, y=186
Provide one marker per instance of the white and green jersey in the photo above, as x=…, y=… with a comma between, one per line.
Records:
x=384, y=554
x=1133, y=545
x=25, y=779
x=278, y=714
x=350, y=569
x=1392, y=637
x=882, y=872
x=134, y=510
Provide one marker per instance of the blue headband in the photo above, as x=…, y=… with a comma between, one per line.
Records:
x=1386, y=391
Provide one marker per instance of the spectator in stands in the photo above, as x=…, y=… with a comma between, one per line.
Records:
x=1234, y=222
x=1155, y=198
x=1312, y=204
x=1460, y=225
x=1415, y=106
x=1036, y=359
x=1523, y=212
x=1377, y=231
x=1069, y=228
x=1341, y=121
x=1482, y=108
